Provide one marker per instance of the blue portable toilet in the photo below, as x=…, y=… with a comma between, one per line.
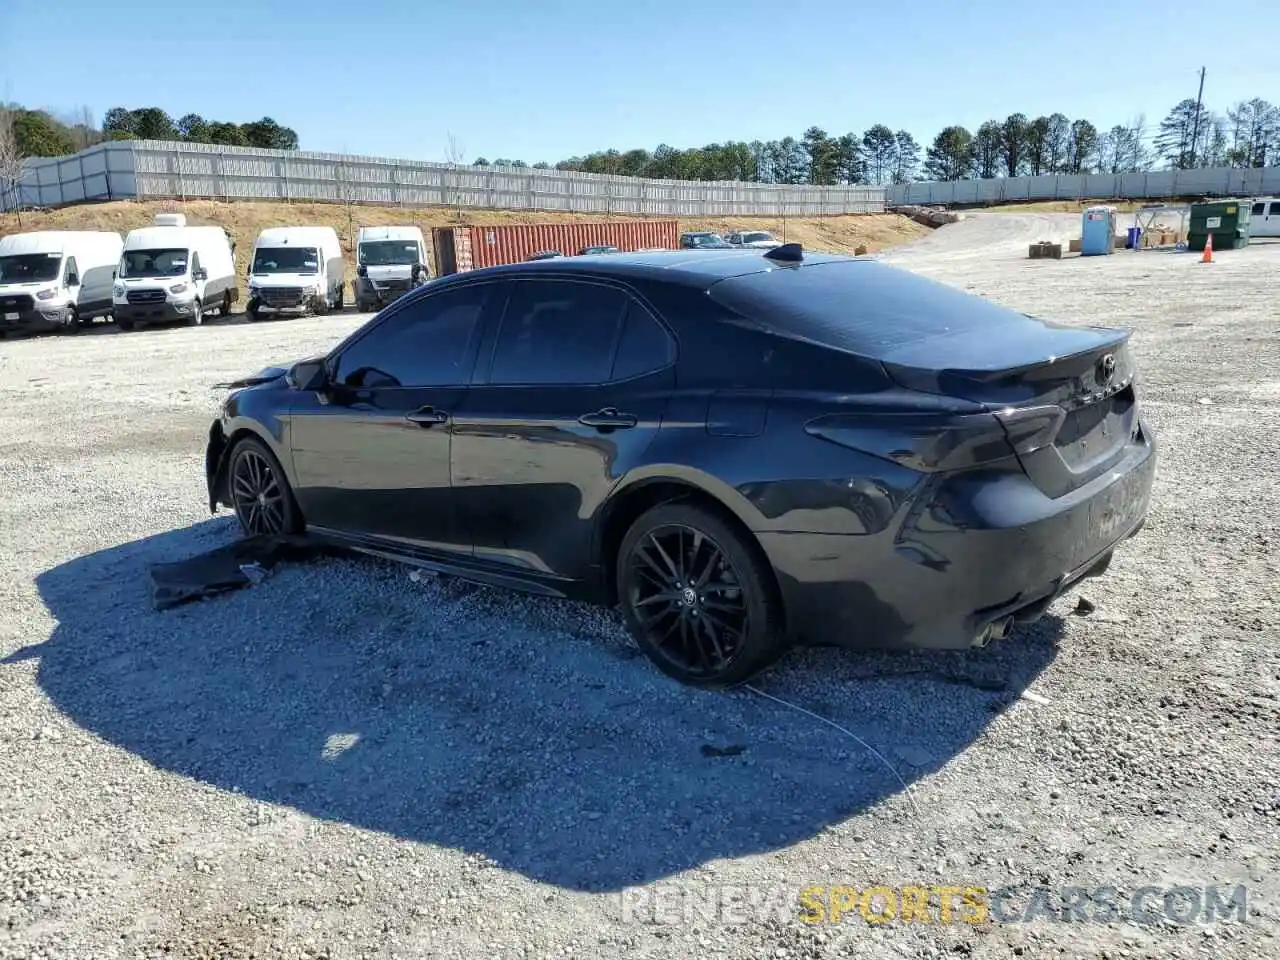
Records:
x=1097, y=231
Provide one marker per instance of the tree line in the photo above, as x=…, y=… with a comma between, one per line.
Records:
x=1191, y=135
x=880, y=155
x=41, y=133
x=152, y=123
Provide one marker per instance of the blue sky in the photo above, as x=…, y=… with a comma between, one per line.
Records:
x=545, y=79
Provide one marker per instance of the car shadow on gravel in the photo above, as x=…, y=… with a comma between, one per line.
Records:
x=525, y=730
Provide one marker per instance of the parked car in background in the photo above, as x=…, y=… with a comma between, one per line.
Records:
x=703, y=241
x=739, y=456
x=753, y=239
x=390, y=261
x=296, y=270
x=171, y=271
x=546, y=255
x=56, y=280
x=592, y=251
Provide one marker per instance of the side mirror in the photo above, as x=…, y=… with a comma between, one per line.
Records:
x=200, y=274
x=115, y=274
x=73, y=280
x=308, y=375
x=362, y=271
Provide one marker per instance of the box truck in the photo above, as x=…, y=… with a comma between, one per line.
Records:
x=171, y=271
x=390, y=261
x=296, y=270
x=56, y=279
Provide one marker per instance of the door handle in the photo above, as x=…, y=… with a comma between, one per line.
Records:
x=608, y=419
x=427, y=416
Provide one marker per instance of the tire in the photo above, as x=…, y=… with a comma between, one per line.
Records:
x=224, y=311
x=125, y=325
x=197, y=313
x=260, y=492
x=71, y=325
x=341, y=303
x=251, y=314
x=704, y=607
x=363, y=306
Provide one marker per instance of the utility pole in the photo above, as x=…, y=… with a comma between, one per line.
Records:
x=1195, y=125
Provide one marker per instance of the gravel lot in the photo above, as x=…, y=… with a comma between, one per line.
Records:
x=345, y=762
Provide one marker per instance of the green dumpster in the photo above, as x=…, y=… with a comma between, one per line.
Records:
x=1226, y=220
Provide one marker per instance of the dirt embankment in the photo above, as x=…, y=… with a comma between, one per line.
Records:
x=247, y=218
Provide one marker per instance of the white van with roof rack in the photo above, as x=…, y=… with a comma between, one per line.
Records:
x=171, y=271
x=56, y=279
x=296, y=270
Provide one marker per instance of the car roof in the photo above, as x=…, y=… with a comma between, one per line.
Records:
x=697, y=268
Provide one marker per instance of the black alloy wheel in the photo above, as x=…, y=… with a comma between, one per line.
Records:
x=697, y=599
x=260, y=493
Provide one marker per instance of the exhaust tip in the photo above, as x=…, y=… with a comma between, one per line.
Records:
x=995, y=630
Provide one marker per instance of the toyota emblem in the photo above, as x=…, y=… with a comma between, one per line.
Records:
x=1107, y=367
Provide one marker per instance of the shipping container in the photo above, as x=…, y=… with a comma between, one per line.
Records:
x=458, y=249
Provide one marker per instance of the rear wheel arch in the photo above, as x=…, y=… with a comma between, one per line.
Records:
x=626, y=506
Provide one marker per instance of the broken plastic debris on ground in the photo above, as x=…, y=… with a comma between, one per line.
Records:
x=229, y=567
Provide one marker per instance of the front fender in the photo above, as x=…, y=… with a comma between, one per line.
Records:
x=224, y=433
x=215, y=466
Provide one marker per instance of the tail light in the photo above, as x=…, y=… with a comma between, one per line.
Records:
x=940, y=442
x=929, y=443
x=1030, y=428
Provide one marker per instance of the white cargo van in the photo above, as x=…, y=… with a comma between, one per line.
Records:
x=1264, y=217
x=296, y=270
x=56, y=279
x=390, y=261
x=174, y=272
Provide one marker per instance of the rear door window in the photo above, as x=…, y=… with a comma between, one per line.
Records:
x=1275, y=208
x=559, y=332
x=645, y=346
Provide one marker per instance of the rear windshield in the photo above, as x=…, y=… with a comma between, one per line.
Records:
x=859, y=306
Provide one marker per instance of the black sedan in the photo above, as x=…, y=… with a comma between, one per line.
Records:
x=741, y=449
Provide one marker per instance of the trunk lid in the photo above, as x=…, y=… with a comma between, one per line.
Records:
x=1065, y=395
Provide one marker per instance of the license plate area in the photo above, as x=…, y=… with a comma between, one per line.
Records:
x=1119, y=508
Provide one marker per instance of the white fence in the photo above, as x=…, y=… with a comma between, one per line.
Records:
x=1212, y=182
x=147, y=169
